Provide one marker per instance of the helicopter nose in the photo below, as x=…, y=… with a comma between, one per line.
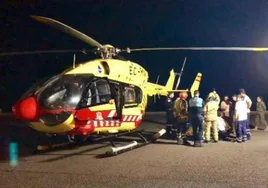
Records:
x=26, y=109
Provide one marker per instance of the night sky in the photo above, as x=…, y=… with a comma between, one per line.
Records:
x=138, y=24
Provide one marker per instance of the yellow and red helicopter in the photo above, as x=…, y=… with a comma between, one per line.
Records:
x=102, y=95
x=105, y=95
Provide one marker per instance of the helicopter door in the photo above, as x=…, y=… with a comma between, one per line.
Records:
x=132, y=96
x=101, y=92
x=117, y=96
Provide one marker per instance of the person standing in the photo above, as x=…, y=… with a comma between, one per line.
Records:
x=232, y=114
x=211, y=113
x=225, y=106
x=196, y=118
x=260, y=115
x=169, y=115
x=241, y=116
x=181, y=118
x=248, y=101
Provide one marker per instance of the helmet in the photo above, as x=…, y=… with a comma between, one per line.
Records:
x=213, y=96
x=183, y=95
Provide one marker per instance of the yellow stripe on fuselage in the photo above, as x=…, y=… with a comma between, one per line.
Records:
x=66, y=126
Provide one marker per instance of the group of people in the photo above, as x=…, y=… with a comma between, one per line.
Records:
x=223, y=118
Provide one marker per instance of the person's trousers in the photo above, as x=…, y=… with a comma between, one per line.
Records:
x=214, y=126
x=242, y=130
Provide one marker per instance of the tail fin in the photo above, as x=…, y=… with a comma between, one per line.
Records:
x=196, y=83
x=170, y=82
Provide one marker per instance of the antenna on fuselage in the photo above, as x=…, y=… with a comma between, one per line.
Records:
x=74, y=61
x=180, y=74
x=157, y=79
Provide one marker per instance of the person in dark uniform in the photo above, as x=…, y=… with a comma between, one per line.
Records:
x=260, y=115
x=169, y=115
x=181, y=118
x=196, y=118
x=232, y=113
x=119, y=100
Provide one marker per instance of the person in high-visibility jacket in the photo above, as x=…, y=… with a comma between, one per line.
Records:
x=210, y=115
x=181, y=118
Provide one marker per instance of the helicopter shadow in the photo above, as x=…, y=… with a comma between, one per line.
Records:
x=15, y=132
x=118, y=141
x=26, y=138
x=12, y=131
x=64, y=156
x=154, y=121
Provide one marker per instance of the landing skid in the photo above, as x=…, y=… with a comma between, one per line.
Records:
x=134, y=144
x=114, y=150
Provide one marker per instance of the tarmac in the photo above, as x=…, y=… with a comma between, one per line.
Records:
x=160, y=164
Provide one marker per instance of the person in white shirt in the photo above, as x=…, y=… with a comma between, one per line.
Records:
x=221, y=127
x=241, y=116
x=248, y=101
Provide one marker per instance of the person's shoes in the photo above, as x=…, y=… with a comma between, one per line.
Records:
x=186, y=143
x=180, y=141
x=198, y=144
x=206, y=141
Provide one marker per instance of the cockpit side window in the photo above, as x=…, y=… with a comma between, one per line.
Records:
x=98, y=92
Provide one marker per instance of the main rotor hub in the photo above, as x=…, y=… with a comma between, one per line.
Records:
x=108, y=51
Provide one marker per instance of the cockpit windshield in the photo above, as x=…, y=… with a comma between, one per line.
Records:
x=35, y=87
x=63, y=92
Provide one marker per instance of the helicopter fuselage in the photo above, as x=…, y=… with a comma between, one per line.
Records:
x=103, y=95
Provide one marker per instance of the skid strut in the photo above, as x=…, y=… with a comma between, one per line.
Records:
x=51, y=145
x=120, y=149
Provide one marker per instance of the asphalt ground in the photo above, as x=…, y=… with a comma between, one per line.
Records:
x=161, y=164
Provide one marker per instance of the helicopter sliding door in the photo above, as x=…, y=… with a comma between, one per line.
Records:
x=125, y=96
x=132, y=110
x=132, y=96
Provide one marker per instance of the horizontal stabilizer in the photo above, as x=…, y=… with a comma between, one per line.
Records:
x=178, y=90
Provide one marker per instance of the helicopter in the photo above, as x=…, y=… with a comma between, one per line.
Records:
x=101, y=96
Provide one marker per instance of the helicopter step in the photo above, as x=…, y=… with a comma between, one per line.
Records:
x=134, y=144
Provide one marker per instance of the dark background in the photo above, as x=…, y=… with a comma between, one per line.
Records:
x=137, y=24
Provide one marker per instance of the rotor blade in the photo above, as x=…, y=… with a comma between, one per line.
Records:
x=180, y=74
x=185, y=59
x=120, y=57
x=69, y=30
x=40, y=52
x=202, y=48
